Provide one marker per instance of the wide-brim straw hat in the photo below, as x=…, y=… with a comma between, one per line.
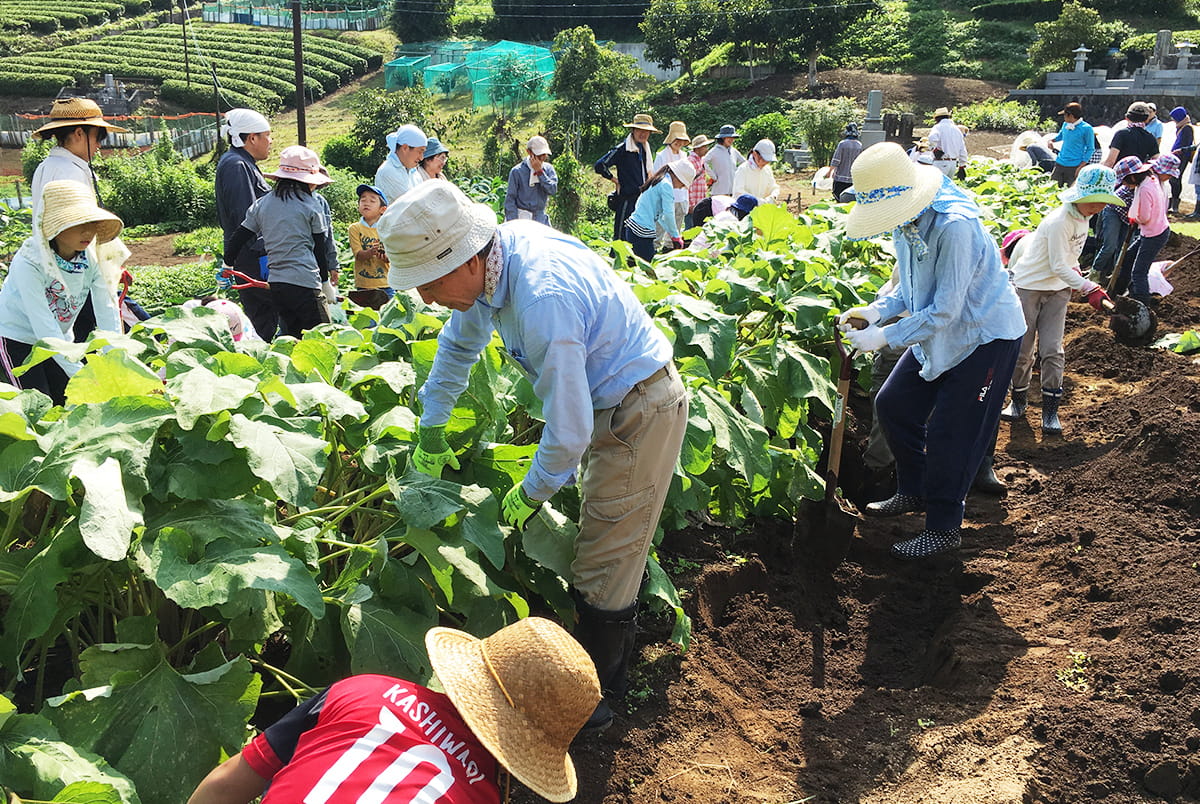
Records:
x=701, y=140
x=525, y=691
x=890, y=189
x=941, y=111
x=300, y=164
x=71, y=112
x=68, y=203
x=676, y=131
x=431, y=230
x=643, y=121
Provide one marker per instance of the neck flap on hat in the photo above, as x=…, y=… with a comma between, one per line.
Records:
x=950, y=198
x=492, y=267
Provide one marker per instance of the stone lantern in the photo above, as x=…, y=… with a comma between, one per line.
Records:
x=1081, y=54
x=1184, y=55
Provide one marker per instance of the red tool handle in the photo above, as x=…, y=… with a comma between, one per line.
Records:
x=246, y=281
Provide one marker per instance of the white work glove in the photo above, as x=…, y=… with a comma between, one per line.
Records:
x=330, y=291
x=1088, y=287
x=870, y=339
x=868, y=314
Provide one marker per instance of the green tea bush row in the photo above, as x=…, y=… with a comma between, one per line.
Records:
x=199, y=96
x=21, y=82
x=157, y=287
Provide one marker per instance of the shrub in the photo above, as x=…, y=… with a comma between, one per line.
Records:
x=32, y=155
x=774, y=126
x=994, y=114
x=205, y=240
x=346, y=152
x=1076, y=24
x=1028, y=10
x=342, y=198
x=821, y=123
x=568, y=203
x=155, y=186
x=707, y=118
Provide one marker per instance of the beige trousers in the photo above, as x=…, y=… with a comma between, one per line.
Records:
x=1045, y=319
x=627, y=472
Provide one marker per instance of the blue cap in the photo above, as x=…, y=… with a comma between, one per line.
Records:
x=744, y=203
x=371, y=188
x=434, y=147
x=726, y=131
x=1178, y=113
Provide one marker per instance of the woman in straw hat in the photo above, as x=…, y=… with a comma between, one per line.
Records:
x=697, y=191
x=515, y=700
x=79, y=128
x=941, y=404
x=49, y=280
x=673, y=151
x=632, y=159
x=294, y=226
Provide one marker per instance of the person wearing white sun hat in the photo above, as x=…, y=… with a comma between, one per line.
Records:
x=605, y=374
x=656, y=209
x=941, y=404
x=755, y=176
x=513, y=701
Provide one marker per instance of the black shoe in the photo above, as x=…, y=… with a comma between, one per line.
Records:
x=896, y=505
x=600, y=720
x=1051, y=425
x=986, y=481
x=928, y=543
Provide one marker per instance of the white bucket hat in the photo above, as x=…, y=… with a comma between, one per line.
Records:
x=890, y=189
x=525, y=691
x=683, y=171
x=766, y=149
x=300, y=164
x=431, y=230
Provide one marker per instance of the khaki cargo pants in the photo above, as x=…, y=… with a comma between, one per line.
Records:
x=626, y=474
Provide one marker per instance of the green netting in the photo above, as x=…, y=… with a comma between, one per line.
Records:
x=447, y=79
x=405, y=71
x=509, y=75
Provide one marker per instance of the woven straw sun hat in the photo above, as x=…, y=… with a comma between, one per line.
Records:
x=700, y=140
x=70, y=112
x=941, y=111
x=431, y=230
x=525, y=691
x=300, y=164
x=890, y=189
x=69, y=203
x=643, y=121
x=676, y=131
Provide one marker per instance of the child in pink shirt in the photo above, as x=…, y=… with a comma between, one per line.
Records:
x=1149, y=213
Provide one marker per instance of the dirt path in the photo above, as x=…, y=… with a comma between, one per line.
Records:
x=1052, y=659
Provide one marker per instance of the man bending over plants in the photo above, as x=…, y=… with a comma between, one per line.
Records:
x=610, y=393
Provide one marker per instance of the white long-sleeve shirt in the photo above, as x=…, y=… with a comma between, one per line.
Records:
x=945, y=136
x=665, y=157
x=722, y=164
x=59, y=165
x=757, y=181
x=1048, y=259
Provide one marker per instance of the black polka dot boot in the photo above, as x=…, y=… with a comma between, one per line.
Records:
x=930, y=542
x=896, y=505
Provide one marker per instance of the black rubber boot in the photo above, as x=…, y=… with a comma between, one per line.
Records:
x=896, y=505
x=608, y=637
x=986, y=481
x=1050, y=423
x=928, y=543
x=1016, y=408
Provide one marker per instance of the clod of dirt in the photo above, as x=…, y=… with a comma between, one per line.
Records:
x=1164, y=779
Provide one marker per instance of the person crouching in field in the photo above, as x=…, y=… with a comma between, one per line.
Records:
x=513, y=701
x=49, y=280
x=291, y=221
x=1045, y=269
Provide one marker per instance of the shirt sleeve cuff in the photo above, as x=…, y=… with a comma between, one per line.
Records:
x=261, y=757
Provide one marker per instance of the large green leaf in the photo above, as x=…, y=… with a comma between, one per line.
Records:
x=19, y=465
x=703, y=329
x=122, y=429
x=549, y=539
x=111, y=374
x=107, y=516
x=163, y=729
x=288, y=454
x=315, y=356
x=37, y=763
x=744, y=441
x=196, y=573
x=387, y=639
x=200, y=391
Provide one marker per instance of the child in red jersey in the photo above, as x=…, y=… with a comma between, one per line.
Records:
x=516, y=699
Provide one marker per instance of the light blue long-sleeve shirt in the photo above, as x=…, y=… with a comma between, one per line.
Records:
x=394, y=178
x=1078, y=143
x=571, y=323
x=657, y=205
x=958, y=295
x=522, y=196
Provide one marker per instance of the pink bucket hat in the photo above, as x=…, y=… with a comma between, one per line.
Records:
x=300, y=164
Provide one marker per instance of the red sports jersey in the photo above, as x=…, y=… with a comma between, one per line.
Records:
x=374, y=739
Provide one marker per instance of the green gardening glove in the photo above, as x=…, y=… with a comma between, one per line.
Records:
x=517, y=508
x=433, y=453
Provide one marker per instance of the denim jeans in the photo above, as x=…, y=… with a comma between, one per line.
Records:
x=1135, y=271
x=1110, y=231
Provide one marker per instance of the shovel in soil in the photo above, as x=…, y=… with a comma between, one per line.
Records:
x=1132, y=322
x=831, y=521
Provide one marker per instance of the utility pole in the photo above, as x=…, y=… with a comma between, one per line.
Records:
x=183, y=27
x=301, y=132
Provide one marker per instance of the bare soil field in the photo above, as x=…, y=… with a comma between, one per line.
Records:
x=1051, y=660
